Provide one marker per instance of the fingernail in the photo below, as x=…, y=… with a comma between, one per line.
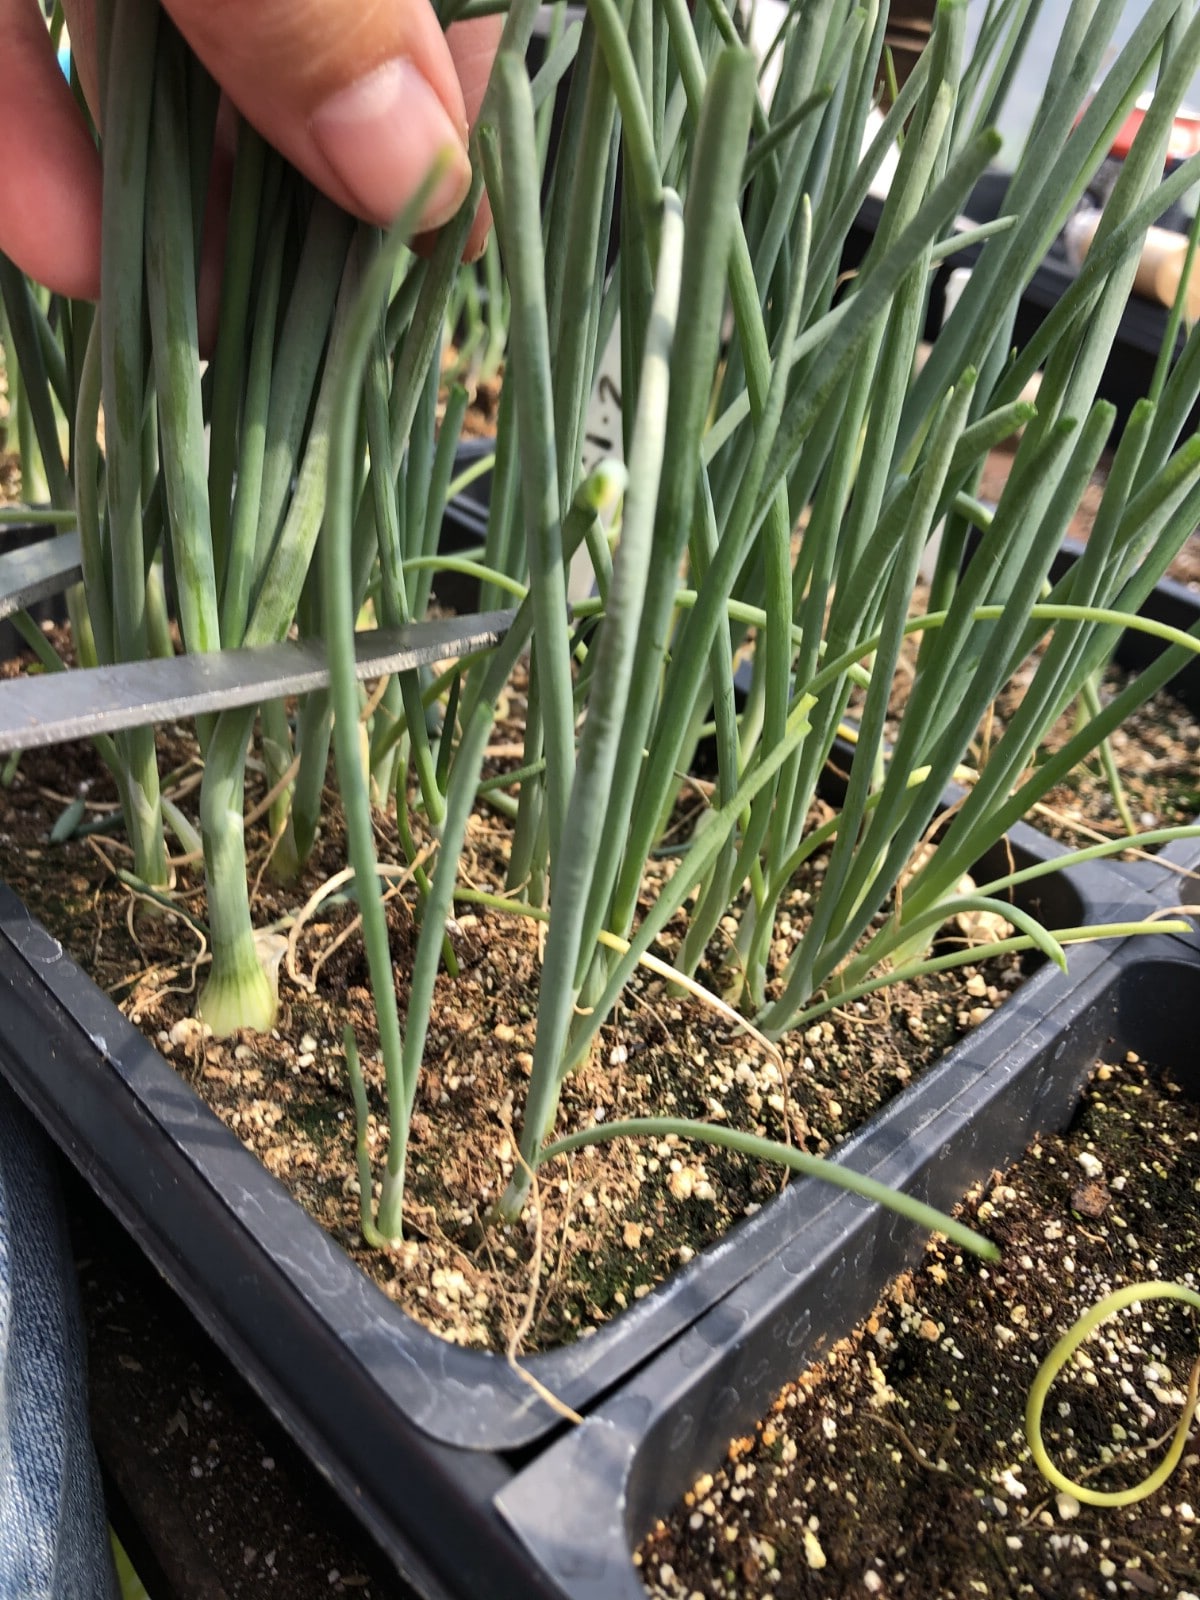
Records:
x=382, y=134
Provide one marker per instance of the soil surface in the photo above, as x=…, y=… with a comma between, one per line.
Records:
x=899, y=1467
x=610, y=1221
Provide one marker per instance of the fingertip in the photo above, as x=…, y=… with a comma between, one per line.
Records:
x=53, y=237
x=360, y=95
x=473, y=47
x=383, y=134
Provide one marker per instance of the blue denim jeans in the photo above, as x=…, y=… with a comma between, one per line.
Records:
x=53, y=1530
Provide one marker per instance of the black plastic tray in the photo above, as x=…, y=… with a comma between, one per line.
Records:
x=140, y=1132
x=417, y=1435
x=447, y=1455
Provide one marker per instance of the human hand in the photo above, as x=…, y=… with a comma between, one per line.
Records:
x=361, y=95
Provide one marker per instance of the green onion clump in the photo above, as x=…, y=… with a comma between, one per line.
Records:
x=785, y=529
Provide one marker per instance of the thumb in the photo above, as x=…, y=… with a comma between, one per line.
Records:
x=361, y=95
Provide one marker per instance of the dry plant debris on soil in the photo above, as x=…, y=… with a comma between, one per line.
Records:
x=898, y=1468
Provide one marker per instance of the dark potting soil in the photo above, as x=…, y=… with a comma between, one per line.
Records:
x=899, y=1467
x=614, y=1219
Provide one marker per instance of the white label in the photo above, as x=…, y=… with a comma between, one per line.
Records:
x=603, y=439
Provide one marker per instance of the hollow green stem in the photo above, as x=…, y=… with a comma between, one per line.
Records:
x=921, y=1215
x=128, y=93
x=774, y=1022
x=237, y=993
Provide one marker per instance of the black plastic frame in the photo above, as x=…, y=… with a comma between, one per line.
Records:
x=142, y=1135
x=358, y=1384
x=20, y=536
